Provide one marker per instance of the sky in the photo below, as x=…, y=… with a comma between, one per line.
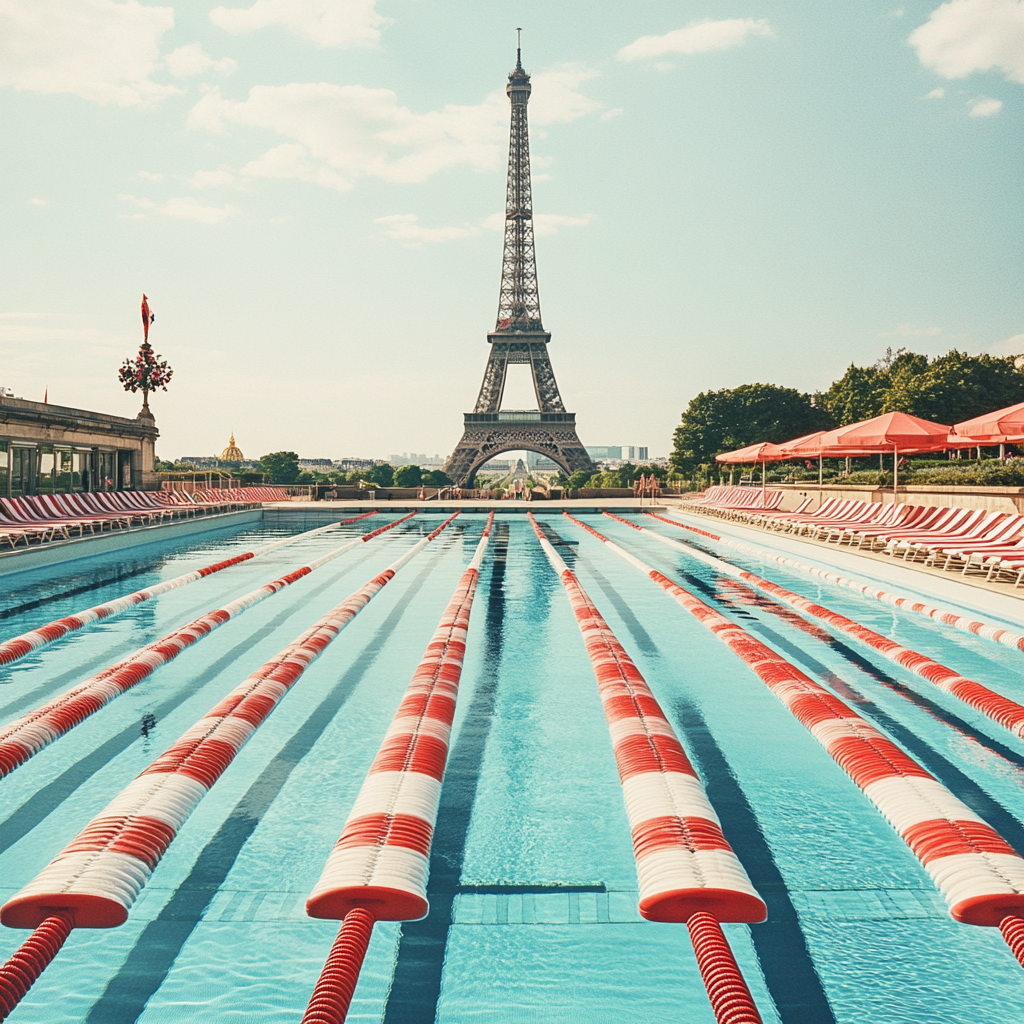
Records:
x=311, y=194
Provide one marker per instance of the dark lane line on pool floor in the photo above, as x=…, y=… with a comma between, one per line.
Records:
x=416, y=986
x=51, y=686
x=873, y=671
x=957, y=781
x=153, y=955
x=880, y=675
x=789, y=971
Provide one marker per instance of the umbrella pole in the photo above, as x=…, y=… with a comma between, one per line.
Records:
x=819, y=475
x=895, y=473
x=764, y=472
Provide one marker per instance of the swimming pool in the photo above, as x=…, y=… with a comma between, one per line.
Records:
x=533, y=885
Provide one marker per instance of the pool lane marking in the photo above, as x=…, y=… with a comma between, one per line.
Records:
x=155, y=951
x=1007, y=713
x=50, y=796
x=978, y=872
x=97, y=878
x=999, y=634
x=26, y=736
x=416, y=982
x=686, y=869
x=19, y=646
x=378, y=869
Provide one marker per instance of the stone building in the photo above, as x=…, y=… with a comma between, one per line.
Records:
x=47, y=449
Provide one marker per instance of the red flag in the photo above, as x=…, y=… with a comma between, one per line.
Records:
x=46, y=396
x=147, y=316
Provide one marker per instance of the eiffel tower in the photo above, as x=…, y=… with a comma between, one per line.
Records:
x=518, y=335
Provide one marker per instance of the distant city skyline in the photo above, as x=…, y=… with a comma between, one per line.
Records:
x=310, y=196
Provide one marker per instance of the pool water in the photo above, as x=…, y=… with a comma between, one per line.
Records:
x=532, y=878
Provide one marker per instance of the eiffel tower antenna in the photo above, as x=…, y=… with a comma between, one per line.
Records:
x=518, y=335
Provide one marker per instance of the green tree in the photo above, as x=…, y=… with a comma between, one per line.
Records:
x=381, y=474
x=579, y=479
x=306, y=478
x=408, y=476
x=437, y=478
x=281, y=467
x=719, y=421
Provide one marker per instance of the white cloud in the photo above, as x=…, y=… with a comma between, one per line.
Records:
x=324, y=22
x=212, y=179
x=182, y=208
x=100, y=50
x=192, y=59
x=150, y=176
x=406, y=228
x=936, y=94
x=1010, y=347
x=36, y=202
x=337, y=134
x=910, y=331
x=609, y=114
x=697, y=37
x=543, y=223
x=985, y=107
x=965, y=36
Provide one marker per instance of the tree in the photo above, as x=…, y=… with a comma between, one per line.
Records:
x=579, y=479
x=720, y=421
x=408, y=476
x=281, y=467
x=381, y=474
x=437, y=478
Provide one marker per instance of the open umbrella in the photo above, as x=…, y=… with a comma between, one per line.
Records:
x=806, y=447
x=761, y=452
x=999, y=427
x=892, y=431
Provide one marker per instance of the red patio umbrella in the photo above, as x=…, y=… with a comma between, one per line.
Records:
x=761, y=452
x=997, y=427
x=892, y=431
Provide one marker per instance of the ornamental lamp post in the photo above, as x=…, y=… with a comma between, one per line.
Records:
x=147, y=371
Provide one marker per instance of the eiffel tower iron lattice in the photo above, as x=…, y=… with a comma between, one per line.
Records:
x=518, y=335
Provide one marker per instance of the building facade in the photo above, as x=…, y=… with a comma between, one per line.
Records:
x=46, y=449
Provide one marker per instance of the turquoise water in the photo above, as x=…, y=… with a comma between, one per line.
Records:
x=532, y=886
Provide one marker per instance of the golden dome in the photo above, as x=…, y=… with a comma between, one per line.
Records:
x=231, y=453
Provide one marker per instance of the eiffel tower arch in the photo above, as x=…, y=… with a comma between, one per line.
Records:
x=518, y=335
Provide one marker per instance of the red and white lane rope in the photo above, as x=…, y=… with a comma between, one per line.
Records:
x=97, y=878
x=378, y=869
x=1008, y=713
x=17, y=647
x=686, y=869
x=26, y=736
x=963, y=623
x=978, y=872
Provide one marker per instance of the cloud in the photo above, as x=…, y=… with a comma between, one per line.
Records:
x=150, y=176
x=909, y=331
x=406, y=228
x=697, y=37
x=936, y=94
x=1010, y=347
x=543, y=223
x=36, y=202
x=100, y=50
x=182, y=208
x=965, y=36
x=336, y=134
x=324, y=22
x=985, y=107
x=192, y=59
x=212, y=179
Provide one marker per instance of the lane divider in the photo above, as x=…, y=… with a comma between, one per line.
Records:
x=17, y=647
x=980, y=875
x=26, y=736
x=963, y=623
x=1008, y=713
x=378, y=869
x=686, y=869
x=97, y=878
